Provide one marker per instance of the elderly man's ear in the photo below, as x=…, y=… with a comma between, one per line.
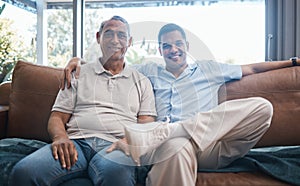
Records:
x=98, y=37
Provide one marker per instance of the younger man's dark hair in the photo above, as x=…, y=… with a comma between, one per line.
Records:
x=169, y=28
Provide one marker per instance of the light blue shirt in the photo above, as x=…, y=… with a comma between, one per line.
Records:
x=195, y=90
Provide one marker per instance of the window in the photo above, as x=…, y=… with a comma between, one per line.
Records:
x=58, y=27
x=17, y=38
x=24, y=32
x=227, y=31
x=59, y=36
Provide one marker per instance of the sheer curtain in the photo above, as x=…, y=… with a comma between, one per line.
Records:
x=282, y=29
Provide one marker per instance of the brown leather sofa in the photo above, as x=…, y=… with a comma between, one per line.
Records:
x=26, y=103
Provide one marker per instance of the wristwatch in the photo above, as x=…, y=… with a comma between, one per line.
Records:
x=294, y=61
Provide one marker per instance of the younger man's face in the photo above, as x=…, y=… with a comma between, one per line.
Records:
x=173, y=48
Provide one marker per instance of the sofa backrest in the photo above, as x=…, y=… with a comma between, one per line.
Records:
x=34, y=89
x=282, y=88
x=33, y=92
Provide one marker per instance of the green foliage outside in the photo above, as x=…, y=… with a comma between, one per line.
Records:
x=11, y=48
x=133, y=57
x=60, y=37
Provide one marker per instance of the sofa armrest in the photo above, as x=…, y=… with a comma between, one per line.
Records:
x=3, y=120
x=5, y=89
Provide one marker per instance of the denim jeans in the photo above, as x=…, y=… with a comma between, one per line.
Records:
x=40, y=168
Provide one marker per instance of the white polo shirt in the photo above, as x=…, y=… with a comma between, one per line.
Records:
x=102, y=103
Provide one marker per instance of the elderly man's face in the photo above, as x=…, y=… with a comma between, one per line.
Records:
x=114, y=40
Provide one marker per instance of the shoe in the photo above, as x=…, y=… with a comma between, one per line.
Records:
x=143, y=138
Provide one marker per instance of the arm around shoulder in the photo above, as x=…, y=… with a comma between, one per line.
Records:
x=73, y=65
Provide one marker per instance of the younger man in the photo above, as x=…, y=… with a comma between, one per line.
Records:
x=187, y=94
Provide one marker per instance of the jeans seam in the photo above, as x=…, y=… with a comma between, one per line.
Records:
x=66, y=174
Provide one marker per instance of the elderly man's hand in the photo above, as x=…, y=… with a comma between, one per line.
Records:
x=64, y=150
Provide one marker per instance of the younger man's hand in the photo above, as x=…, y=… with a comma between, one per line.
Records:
x=73, y=65
x=119, y=145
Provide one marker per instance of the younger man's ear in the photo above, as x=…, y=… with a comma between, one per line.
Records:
x=130, y=43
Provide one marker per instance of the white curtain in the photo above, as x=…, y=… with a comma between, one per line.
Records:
x=282, y=29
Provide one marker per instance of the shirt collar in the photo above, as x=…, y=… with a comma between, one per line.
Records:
x=189, y=69
x=191, y=66
x=99, y=69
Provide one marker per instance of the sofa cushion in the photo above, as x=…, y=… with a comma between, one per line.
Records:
x=237, y=179
x=13, y=150
x=33, y=92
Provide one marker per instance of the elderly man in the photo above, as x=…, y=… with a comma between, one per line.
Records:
x=89, y=117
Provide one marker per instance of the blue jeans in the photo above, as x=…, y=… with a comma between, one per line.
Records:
x=40, y=168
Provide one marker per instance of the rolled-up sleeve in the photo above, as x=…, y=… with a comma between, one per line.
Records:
x=147, y=100
x=65, y=100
